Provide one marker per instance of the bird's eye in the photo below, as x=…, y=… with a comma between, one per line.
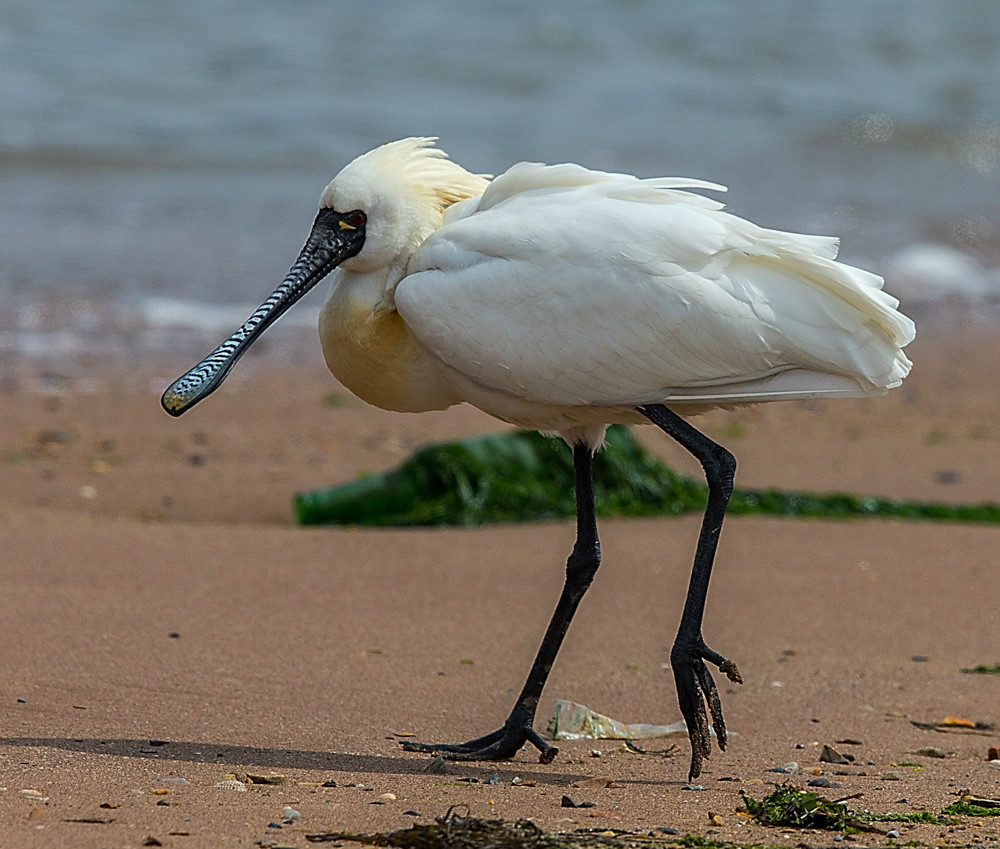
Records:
x=356, y=218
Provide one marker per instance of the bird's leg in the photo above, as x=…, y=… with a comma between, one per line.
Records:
x=580, y=570
x=695, y=685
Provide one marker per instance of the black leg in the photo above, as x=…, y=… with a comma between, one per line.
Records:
x=580, y=570
x=689, y=653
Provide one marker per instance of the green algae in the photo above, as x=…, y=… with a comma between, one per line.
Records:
x=917, y=817
x=970, y=809
x=982, y=669
x=524, y=476
x=790, y=807
x=786, y=807
x=457, y=832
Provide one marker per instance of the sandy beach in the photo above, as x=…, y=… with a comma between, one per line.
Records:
x=166, y=626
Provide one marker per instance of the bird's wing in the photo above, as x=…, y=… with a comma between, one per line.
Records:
x=567, y=286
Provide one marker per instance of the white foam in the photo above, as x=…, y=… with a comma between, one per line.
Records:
x=924, y=274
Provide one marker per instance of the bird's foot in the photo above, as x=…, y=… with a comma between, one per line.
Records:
x=695, y=688
x=499, y=745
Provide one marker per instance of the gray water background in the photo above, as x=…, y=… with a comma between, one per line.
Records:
x=160, y=162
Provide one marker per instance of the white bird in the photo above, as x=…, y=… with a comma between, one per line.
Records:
x=565, y=299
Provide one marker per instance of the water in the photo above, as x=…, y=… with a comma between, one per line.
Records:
x=158, y=158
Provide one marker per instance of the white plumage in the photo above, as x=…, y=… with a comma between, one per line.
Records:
x=575, y=288
x=565, y=299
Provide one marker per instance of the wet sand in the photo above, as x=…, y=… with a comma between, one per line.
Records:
x=166, y=626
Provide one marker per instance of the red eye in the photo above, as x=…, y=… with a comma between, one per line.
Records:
x=357, y=218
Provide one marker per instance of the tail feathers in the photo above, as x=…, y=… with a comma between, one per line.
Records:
x=841, y=323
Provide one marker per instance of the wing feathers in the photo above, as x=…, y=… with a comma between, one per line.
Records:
x=562, y=285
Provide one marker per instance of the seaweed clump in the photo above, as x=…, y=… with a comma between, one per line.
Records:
x=457, y=832
x=516, y=476
x=983, y=669
x=790, y=807
x=524, y=476
x=971, y=809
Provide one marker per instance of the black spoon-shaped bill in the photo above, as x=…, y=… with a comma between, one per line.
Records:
x=334, y=238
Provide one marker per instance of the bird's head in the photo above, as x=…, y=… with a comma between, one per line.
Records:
x=373, y=215
x=403, y=188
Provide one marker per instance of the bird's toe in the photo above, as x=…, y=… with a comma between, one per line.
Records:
x=499, y=745
x=695, y=690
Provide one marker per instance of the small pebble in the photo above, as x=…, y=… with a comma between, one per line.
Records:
x=390, y=797
x=436, y=766
x=832, y=756
x=666, y=829
x=493, y=779
x=891, y=775
x=920, y=658
x=411, y=813
x=595, y=753
x=693, y=787
x=993, y=764
x=992, y=754
x=290, y=813
x=824, y=782
x=837, y=838
x=892, y=834
x=931, y=752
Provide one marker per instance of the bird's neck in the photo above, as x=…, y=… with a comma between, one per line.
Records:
x=370, y=350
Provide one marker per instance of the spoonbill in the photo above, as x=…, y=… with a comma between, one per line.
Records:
x=565, y=299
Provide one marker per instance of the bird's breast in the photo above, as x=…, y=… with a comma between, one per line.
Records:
x=372, y=353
